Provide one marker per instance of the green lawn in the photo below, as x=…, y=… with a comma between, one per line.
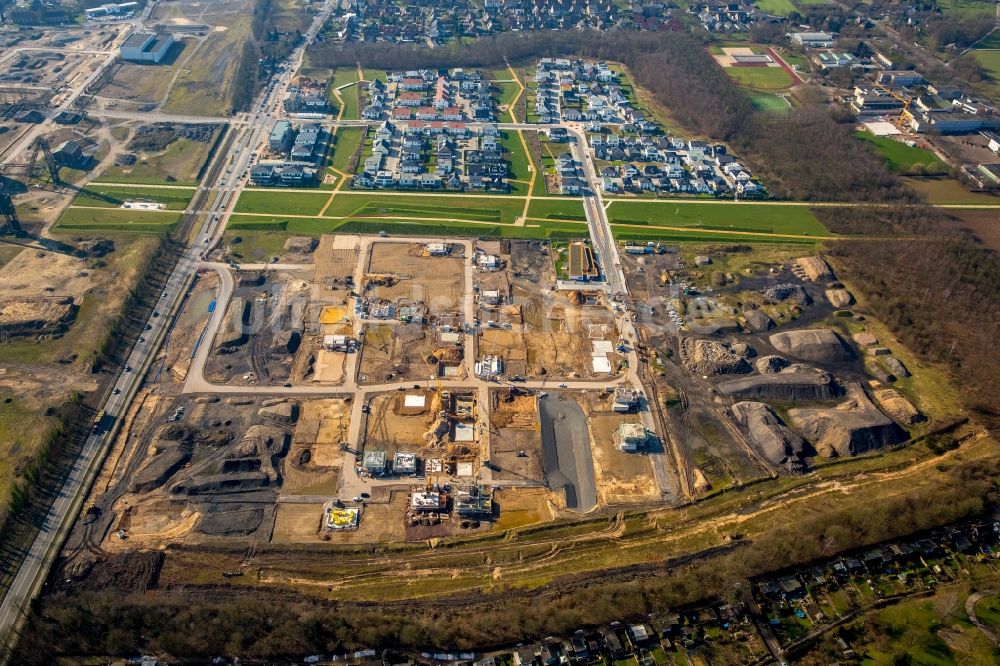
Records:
x=348, y=140
x=446, y=208
x=109, y=197
x=519, y=161
x=375, y=74
x=281, y=202
x=963, y=8
x=769, y=102
x=759, y=218
x=903, y=158
x=344, y=75
x=117, y=220
x=761, y=78
x=776, y=7
x=990, y=61
x=557, y=209
x=271, y=229
x=990, y=42
x=508, y=91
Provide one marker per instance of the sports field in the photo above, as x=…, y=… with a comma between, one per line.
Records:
x=761, y=78
x=769, y=102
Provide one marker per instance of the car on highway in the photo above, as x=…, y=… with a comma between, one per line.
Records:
x=116, y=391
x=128, y=368
x=563, y=385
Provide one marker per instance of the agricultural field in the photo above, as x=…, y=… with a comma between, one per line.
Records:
x=902, y=158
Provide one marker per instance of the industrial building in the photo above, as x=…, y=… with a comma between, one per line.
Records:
x=146, y=47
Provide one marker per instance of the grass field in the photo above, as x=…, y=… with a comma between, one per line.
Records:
x=948, y=191
x=117, y=220
x=776, y=7
x=179, y=164
x=281, y=202
x=375, y=75
x=556, y=209
x=990, y=61
x=992, y=41
x=344, y=75
x=96, y=195
x=761, y=78
x=962, y=8
x=902, y=158
x=206, y=82
x=348, y=140
x=508, y=91
x=519, y=162
x=23, y=429
x=765, y=219
x=768, y=102
x=264, y=232
x=434, y=208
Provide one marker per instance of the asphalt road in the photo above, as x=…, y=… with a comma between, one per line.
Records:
x=36, y=564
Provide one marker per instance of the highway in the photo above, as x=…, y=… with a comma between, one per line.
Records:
x=36, y=565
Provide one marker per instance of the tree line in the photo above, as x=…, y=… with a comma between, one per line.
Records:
x=196, y=623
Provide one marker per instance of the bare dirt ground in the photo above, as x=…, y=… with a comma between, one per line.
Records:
x=314, y=459
x=523, y=506
x=397, y=352
x=189, y=326
x=515, y=438
x=261, y=337
x=436, y=281
x=381, y=522
x=392, y=428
